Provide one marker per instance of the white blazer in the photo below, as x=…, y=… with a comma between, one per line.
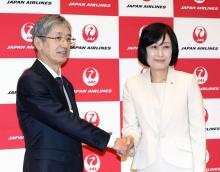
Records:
x=182, y=128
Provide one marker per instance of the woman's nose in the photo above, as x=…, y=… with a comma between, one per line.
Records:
x=160, y=51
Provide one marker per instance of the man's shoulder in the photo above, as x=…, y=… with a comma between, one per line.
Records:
x=28, y=73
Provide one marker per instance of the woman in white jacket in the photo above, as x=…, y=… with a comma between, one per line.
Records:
x=163, y=109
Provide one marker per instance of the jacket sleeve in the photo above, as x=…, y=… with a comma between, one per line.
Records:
x=37, y=100
x=197, y=126
x=130, y=120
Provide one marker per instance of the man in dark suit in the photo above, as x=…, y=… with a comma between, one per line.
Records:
x=47, y=112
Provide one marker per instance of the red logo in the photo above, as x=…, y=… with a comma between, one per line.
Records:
x=207, y=156
x=201, y=75
x=199, y=34
x=90, y=76
x=92, y=163
x=140, y=31
x=199, y=1
x=212, y=155
x=26, y=31
x=90, y=33
x=206, y=115
x=92, y=117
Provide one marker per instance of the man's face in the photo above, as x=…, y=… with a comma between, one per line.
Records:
x=55, y=50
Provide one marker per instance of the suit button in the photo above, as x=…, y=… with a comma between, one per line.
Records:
x=162, y=135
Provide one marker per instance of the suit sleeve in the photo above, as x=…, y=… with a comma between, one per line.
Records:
x=197, y=126
x=37, y=100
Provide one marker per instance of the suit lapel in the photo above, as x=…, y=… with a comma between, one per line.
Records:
x=70, y=92
x=49, y=80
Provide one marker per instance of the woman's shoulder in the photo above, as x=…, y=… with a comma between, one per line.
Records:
x=135, y=82
x=135, y=78
x=183, y=76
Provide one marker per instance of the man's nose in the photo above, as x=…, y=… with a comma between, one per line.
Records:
x=65, y=42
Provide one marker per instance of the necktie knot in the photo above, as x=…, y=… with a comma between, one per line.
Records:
x=60, y=82
x=63, y=90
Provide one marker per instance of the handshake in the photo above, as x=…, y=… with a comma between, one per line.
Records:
x=123, y=145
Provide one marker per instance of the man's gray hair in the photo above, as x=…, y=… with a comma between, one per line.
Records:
x=43, y=26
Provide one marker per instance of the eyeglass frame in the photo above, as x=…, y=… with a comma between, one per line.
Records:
x=71, y=41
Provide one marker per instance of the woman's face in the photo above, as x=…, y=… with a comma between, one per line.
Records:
x=159, y=54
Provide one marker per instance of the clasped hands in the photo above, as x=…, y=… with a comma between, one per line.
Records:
x=123, y=145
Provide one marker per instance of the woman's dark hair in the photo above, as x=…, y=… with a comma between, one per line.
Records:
x=153, y=33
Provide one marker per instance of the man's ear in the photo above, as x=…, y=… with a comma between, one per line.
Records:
x=38, y=43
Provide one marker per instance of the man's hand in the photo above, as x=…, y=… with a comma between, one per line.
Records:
x=122, y=145
x=129, y=141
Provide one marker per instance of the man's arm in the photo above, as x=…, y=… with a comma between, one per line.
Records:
x=38, y=100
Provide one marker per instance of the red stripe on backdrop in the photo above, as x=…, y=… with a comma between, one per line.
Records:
x=11, y=136
x=90, y=7
x=94, y=79
x=197, y=8
x=17, y=35
x=129, y=31
x=212, y=155
x=100, y=161
x=206, y=71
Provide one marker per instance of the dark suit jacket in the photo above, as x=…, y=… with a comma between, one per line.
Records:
x=52, y=134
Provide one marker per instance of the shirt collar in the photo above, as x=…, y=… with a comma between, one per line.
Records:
x=52, y=72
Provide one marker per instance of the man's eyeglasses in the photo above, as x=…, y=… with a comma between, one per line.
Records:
x=58, y=39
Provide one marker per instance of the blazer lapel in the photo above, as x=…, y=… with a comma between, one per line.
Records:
x=147, y=91
x=167, y=109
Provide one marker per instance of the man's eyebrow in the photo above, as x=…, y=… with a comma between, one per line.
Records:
x=61, y=33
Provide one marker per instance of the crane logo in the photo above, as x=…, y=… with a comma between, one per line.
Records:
x=206, y=115
x=201, y=75
x=92, y=117
x=141, y=29
x=92, y=163
x=199, y=1
x=207, y=156
x=90, y=33
x=90, y=76
x=200, y=34
x=26, y=31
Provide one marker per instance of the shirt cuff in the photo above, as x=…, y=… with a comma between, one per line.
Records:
x=112, y=140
